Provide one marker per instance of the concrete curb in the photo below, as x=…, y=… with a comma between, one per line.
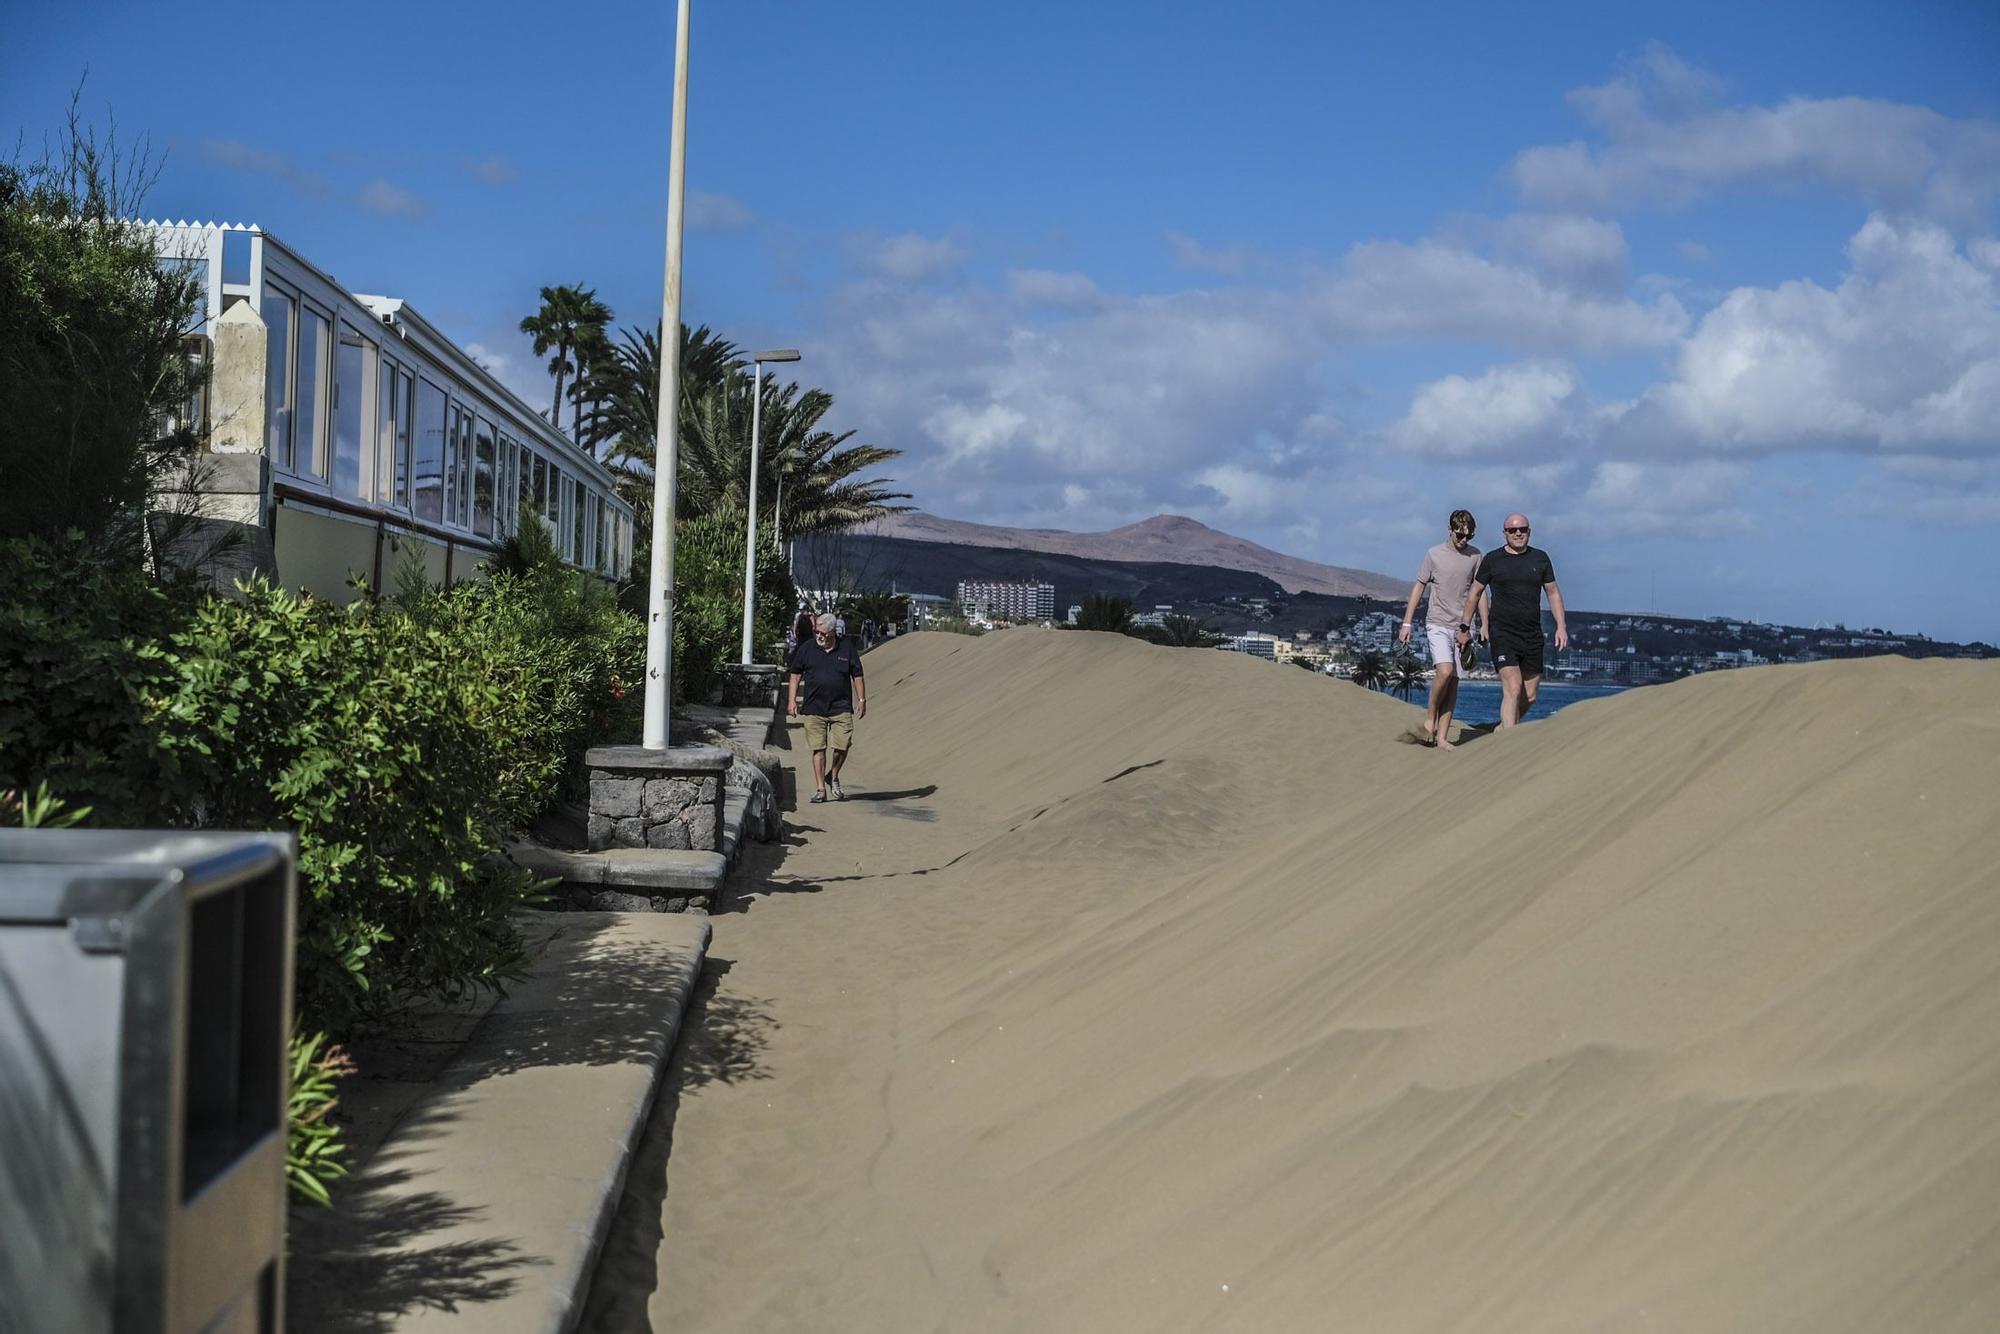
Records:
x=528, y=1134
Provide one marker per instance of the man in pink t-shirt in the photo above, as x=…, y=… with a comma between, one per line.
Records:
x=1447, y=573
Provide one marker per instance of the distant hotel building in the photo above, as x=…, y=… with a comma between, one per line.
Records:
x=1007, y=602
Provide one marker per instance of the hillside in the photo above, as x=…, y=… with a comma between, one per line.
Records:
x=1164, y=539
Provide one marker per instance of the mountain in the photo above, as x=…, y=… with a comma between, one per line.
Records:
x=1164, y=539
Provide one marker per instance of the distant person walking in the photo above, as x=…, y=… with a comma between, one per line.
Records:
x=829, y=668
x=1446, y=572
x=1518, y=575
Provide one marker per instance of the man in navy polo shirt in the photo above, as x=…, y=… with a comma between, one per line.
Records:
x=829, y=669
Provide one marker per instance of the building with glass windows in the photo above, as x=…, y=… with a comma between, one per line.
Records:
x=980, y=599
x=345, y=436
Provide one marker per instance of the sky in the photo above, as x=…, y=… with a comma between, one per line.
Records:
x=1711, y=292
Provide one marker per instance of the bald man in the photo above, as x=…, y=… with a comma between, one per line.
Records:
x=1519, y=575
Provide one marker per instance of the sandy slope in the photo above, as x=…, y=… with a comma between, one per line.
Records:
x=1189, y=999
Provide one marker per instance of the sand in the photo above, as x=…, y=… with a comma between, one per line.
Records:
x=1153, y=989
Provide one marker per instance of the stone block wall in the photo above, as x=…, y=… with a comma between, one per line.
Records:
x=667, y=799
x=751, y=685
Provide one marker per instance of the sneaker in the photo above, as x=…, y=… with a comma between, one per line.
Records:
x=838, y=793
x=819, y=794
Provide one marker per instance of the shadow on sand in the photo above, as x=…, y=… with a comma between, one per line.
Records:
x=723, y=1039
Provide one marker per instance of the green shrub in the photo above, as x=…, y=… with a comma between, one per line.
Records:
x=84, y=680
x=708, y=602
x=93, y=386
x=315, y=1156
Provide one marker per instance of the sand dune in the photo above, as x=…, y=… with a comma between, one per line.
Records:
x=1173, y=994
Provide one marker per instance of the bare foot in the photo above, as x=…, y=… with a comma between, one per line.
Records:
x=1442, y=744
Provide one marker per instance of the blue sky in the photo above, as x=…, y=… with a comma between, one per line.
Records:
x=1711, y=291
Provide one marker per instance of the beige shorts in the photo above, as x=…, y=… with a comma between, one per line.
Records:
x=828, y=733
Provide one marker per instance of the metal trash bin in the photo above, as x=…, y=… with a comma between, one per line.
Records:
x=145, y=1006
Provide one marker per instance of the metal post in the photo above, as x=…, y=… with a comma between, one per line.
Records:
x=666, y=459
x=750, y=541
x=756, y=466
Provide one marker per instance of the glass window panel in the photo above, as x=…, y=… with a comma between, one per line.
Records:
x=503, y=490
x=541, y=492
x=309, y=394
x=278, y=379
x=405, y=396
x=385, y=429
x=433, y=427
x=576, y=525
x=524, y=467
x=451, y=467
x=236, y=258
x=464, y=516
x=350, y=371
x=482, y=477
x=555, y=500
x=603, y=536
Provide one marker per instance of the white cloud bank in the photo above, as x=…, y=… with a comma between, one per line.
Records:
x=1664, y=140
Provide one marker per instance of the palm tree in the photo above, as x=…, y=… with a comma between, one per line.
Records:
x=569, y=316
x=1371, y=669
x=817, y=467
x=1187, y=632
x=1407, y=675
x=1103, y=612
x=593, y=348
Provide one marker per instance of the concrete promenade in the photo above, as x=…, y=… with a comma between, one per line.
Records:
x=496, y=1176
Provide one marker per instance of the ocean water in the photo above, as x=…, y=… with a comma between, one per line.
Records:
x=1479, y=701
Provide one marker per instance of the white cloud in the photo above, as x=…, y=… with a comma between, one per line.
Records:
x=1623, y=498
x=1191, y=254
x=1903, y=355
x=390, y=200
x=1439, y=289
x=1057, y=291
x=1664, y=140
x=717, y=214
x=1694, y=252
x=376, y=196
x=907, y=257
x=492, y=170
x=1525, y=405
x=1569, y=250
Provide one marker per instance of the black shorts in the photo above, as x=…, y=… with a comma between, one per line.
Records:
x=1517, y=648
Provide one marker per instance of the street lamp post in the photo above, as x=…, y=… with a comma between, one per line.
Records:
x=667, y=435
x=750, y=541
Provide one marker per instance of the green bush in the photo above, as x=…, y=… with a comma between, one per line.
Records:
x=386, y=744
x=708, y=602
x=93, y=386
x=85, y=677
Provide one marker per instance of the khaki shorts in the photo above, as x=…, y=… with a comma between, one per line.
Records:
x=833, y=733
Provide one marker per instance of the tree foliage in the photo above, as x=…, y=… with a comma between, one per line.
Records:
x=568, y=327
x=815, y=474
x=1104, y=612
x=94, y=381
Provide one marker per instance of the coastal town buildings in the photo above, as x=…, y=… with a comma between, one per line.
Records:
x=985, y=600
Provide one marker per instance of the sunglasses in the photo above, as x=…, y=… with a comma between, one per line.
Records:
x=1513, y=530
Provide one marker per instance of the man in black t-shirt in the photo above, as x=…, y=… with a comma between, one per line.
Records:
x=1517, y=575
x=834, y=695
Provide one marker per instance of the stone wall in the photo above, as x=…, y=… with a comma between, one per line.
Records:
x=666, y=799
x=751, y=685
